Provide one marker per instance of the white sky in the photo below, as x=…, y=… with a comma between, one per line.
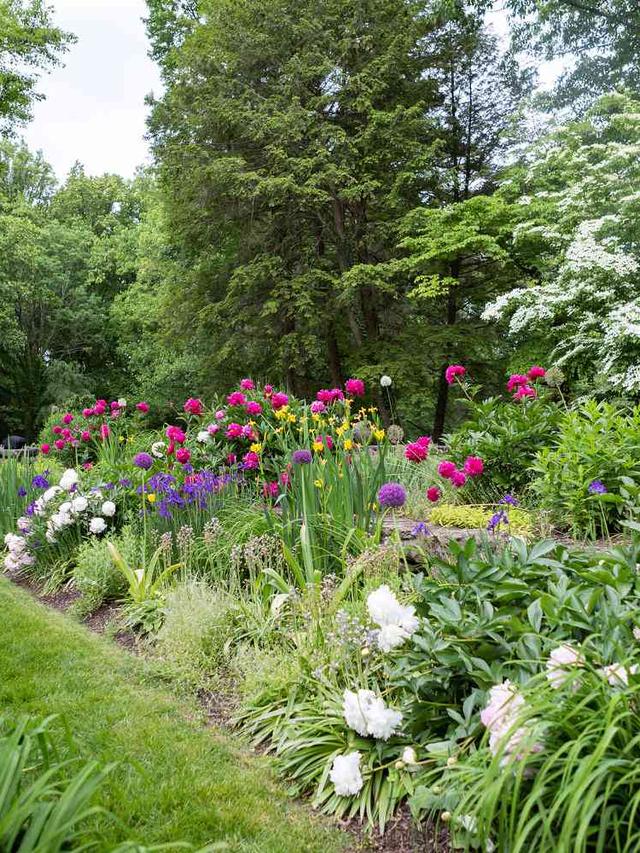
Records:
x=94, y=109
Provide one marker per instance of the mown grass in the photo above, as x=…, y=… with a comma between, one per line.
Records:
x=174, y=780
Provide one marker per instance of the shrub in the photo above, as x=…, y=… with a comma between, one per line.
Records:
x=95, y=575
x=597, y=446
x=452, y=515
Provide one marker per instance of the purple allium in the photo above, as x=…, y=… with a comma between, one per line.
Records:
x=392, y=495
x=40, y=481
x=143, y=460
x=597, y=487
x=301, y=457
x=509, y=499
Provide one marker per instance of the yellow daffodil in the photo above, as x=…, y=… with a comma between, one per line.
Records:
x=348, y=444
x=315, y=418
x=291, y=418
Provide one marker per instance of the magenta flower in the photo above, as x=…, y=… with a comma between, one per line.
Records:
x=183, y=455
x=251, y=460
x=452, y=371
x=142, y=407
x=247, y=384
x=212, y=429
x=234, y=430
x=236, y=398
x=446, y=469
x=85, y=435
x=458, y=479
x=45, y=448
x=416, y=452
x=515, y=381
x=175, y=434
x=59, y=444
x=220, y=414
x=433, y=494
x=86, y=413
x=194, y=406
x=354, y=387
x=473, y=466
x=267, y=390
x=279, y=400
x=68, y=418
x=105, y=432
x=253, y=408
x=317, y=407
x=536, y=372
x=525, y=391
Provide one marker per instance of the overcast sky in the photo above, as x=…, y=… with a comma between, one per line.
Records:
x=94, y=109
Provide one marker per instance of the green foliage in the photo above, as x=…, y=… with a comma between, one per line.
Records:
x=597, y=442
x=465, y=516
x=95, y=575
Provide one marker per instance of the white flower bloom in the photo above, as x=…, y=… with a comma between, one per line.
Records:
x=500, y=718
x=278, y=601
x=397, y=622
x=560, y=662
x=203, y=436
x=385, y=381
x=79, y=504
x=49, y=495
x=97, y=525
x=157, y=449
x=68, y=480
x=109, y=509
x=139, y=573
x=367, y=714
x=65, y=508
x=636, y=633
x=345, y=774
x=23, y=524
x=617, y=675
x=409, y=755
x=122, y=403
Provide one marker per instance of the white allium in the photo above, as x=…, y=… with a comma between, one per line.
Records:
x=560, y=663
x=79, y=504
x=345, y=774
x=97, y=525
x=385, y=381
x=69, y=479
x=108, y=509
x=367, y=714
x=203, y=436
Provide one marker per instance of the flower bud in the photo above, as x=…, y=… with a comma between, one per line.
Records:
x=366, y=651
x=451, y=761
x=445, y=817
x=399, y=765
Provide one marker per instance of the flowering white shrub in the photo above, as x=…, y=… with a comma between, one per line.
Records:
x=367, y=714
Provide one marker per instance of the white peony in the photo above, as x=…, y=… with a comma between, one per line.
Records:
x=203, y=436
x=109, y=509
x=618, y=675
x=69, y=479
x=345, y=774
x=49, y=494
x=560, y=662
x=23, y=524
x=367, y=714
x=79, y=504
x=397, y=621
x=157, y=449
x=65, y=508
x=97, y=525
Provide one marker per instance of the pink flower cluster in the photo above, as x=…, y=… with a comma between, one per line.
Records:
x=473, y=467
x=326, y=396
x=72, y=432
x=418, y=450
x=453, y=371
x=519, y=384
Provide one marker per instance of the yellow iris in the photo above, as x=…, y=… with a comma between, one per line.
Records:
x=378, y=434
x=318, y=484
x=292, y=419
x=348, y=444
x=151, y=498
x=256, y=448
x=315, y=418
x=318, y=446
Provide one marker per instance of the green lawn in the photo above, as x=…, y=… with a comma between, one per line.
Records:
x=175, y=779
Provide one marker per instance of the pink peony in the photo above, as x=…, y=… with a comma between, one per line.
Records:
x=536, y=372
x=416, y=452
x=251, y=460
x=515, y=380
x=59, y=444
x=105, y=432
x=458, y=478
x=231, y=458
x=354, y=387
x=236, y=398
x=183, y=455
x=45, y=448
x=446, y=469
x=284, y=479
x=212, y=429
x=452, y=371
x=267, y=390
x=66, y=433
x=220, y=415
x=68, y=418
x=175, y=434
x=194, y=406
x=433, y=494
x=249, y=432
x=270, y=490
x=473, y=466
x=424, y=440
x=317, y=407
x=87, y=413
x=525, y=391
x=253, y=408
x=247, y=384
x=234, y=430
x=85, y=435
x=56, y=430
x=100, y=408
x=278, y=400
x=142, y=407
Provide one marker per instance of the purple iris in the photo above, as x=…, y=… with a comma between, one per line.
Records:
x=40, y=481
x=509, y=499
x=22, y=492
x=497, y=519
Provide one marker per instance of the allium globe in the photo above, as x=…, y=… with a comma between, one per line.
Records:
x=143, y=460
x=354, y=387
x=392, y=495
x=301, y=457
